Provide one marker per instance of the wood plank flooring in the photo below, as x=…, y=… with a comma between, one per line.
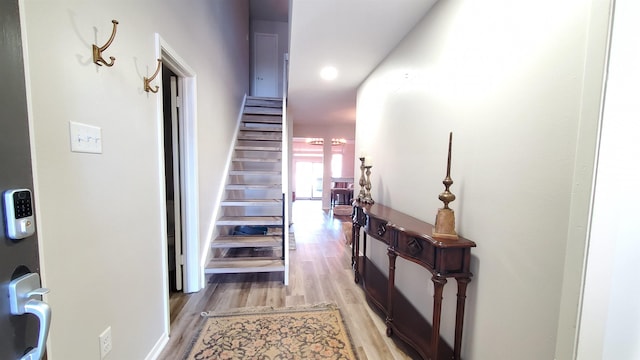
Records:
x=320, y=273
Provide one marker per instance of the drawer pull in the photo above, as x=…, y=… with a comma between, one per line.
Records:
x=382, y=228
x=414, y=246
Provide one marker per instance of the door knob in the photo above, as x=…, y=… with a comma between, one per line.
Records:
x=21, y=291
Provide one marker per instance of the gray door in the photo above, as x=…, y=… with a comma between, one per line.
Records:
x=18, y=333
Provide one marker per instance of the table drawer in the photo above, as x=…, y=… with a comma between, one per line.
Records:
x=379, y=229
x=416, y=248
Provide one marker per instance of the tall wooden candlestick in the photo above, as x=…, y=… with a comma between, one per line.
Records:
x=362, y=181
x=367, y=196
x=445, y=220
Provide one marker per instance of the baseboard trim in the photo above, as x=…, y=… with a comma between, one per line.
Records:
x=158, y=347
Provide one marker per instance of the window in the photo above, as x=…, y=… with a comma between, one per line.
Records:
x=336, y=165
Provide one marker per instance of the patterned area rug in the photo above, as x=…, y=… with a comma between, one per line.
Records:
x=292, y=333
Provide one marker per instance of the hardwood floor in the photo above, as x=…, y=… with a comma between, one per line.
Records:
x=320, y=273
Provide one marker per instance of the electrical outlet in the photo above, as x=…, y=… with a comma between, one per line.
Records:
x=105, y=342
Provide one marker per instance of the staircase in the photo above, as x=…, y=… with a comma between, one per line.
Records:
x=251, y=226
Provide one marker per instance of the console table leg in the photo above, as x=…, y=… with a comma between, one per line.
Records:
x=355, y=251
x=364, y=255
x=353, y=245
x=391, y=285
x=438, y=285
x=462, y=296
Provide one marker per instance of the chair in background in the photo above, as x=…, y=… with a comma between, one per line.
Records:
x=341, y=193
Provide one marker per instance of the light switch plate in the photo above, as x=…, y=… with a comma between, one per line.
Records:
x=85, y=138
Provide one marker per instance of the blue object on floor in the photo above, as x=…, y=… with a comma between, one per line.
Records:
x=250, y=230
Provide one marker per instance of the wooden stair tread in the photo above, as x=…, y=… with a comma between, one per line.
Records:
x=264, y=101
x=259, y=130
x=262, y=110
x=250, y=159
x=262, y=119
x=238, y=241
x=276, y=143
x=255, y=172
x=251, y=202
x=243, y=265
x=250, y=220
x=259, y=136
x=253, y=186
x=258, y=148
x=262, y=128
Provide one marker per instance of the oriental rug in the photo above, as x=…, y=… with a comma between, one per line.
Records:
x=316, y=332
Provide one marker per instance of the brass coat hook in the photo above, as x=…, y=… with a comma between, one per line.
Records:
x=97, y=51
x=148, y=87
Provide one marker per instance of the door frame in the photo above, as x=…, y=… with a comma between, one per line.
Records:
x=193, y=272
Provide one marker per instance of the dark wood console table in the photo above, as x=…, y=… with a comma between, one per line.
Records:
x=410, y=239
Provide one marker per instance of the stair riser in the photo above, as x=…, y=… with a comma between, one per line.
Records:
x=256, y=166
x=257, y=244
x=249, y=159
x=252, y=211
x=262, y=127
x=249, y=173
x=258, y=110
x=260, y=135
x=265, y=149
x=231, y=203
x=254, y=180
x=275, y=144
x=261, y=119
x=264, y=103
x=257, y=154
x=253, y=187
x=244, y=270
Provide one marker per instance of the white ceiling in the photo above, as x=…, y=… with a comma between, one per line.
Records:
x=352, y=35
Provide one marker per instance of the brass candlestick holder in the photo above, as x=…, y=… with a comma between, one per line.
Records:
x=367, y=196
x=362, y=181
x=445, y=220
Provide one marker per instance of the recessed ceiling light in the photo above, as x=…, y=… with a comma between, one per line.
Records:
x=329, y=73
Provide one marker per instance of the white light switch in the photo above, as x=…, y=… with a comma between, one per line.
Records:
x=85, y=138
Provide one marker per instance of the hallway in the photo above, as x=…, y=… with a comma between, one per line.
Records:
x=320, y=273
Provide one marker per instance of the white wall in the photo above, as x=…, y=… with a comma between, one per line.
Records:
x=610, y=321
x=348, y=160
x=514, y=81
x=101, y=217
x=340, y=130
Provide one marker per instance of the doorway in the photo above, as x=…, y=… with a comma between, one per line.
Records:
x=309, y=179
x=174, y=175
x=185, y=79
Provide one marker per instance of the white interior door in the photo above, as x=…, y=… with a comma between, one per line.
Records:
x=178, y=175
x=265, y=65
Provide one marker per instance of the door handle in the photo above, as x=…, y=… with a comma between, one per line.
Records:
x=21, y=291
